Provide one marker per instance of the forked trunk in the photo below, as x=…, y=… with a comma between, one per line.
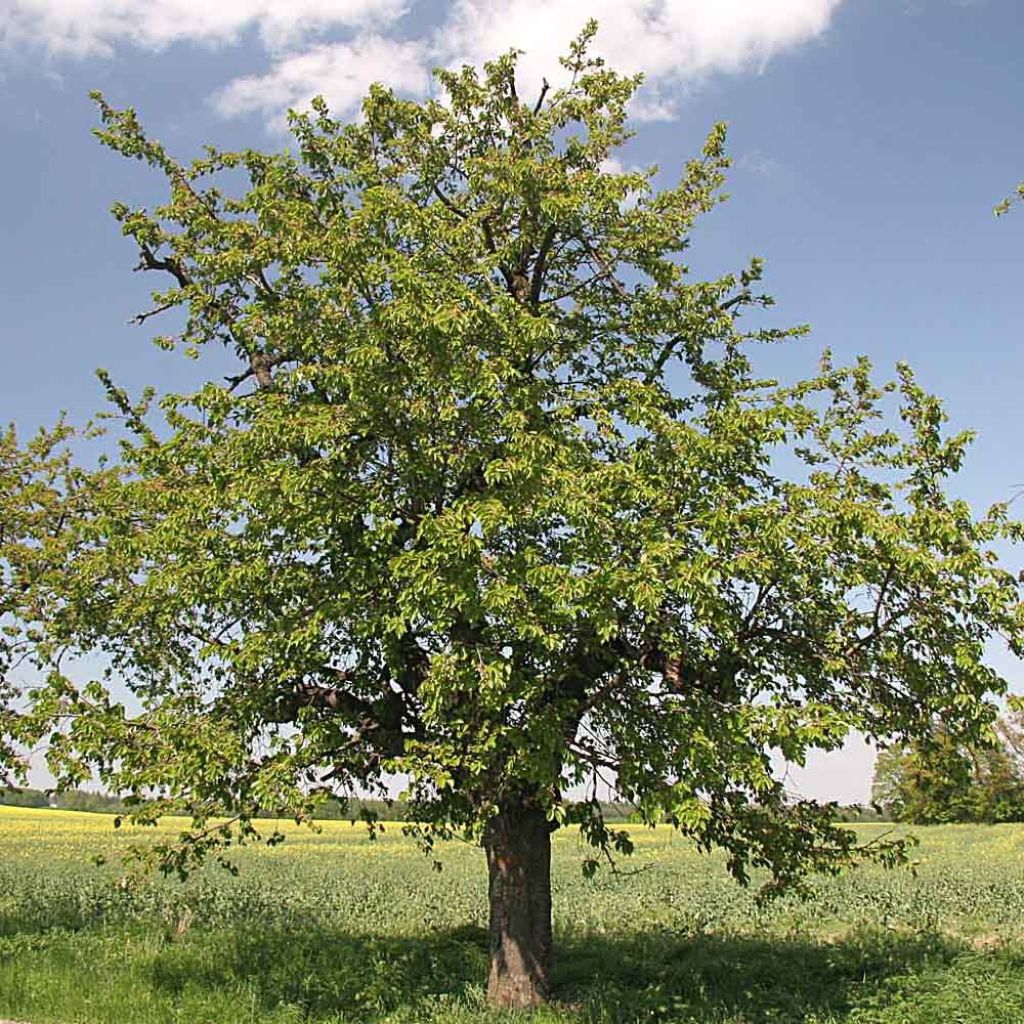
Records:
x=518, y=845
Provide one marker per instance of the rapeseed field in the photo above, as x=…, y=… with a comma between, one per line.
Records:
x=329, y=928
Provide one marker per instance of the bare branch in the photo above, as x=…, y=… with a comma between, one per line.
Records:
x=540, y=99
x=762, y=595
x=141, y=318
x=607, y=272
x=263, y=285
x=447, y=203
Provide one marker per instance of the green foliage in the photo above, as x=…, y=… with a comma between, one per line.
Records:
x=938, y=780
x=494, y=503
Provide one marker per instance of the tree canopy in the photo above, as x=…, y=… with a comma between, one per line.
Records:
x=498, y=504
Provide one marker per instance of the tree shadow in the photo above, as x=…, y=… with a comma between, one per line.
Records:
x=657, y=976
x=667, y=977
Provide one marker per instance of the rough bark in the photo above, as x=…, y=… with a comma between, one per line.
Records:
x=518, y=846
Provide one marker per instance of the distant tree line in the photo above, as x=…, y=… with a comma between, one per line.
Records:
x=352, y=809
x=72, y=800
x=909, y=786
x=105, y=803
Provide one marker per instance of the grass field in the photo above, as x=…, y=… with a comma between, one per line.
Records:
x=330, y=927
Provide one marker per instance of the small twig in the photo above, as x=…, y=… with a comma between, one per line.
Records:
x=606, y=271
x=141, y=318
x=670, y=346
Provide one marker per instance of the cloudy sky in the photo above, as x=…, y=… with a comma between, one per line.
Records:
x=871, y=140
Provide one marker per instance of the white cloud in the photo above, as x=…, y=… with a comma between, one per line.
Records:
x=674, y=42
x=758, y=163
x=96, y=27
x=341, y=71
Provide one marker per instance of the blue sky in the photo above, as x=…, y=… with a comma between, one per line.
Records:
x=871, y=140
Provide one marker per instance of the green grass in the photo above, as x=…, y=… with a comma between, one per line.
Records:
x=332, y=928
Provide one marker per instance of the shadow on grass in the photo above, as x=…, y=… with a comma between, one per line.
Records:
x=655, y=977
x=649, y=977
x=323, y=972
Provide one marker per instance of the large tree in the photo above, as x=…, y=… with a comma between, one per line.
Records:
x=496, y=503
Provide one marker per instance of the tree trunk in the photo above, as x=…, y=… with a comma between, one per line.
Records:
x=518, y=845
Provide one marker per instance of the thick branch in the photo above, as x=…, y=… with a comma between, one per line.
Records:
x=540, y=265
x=148, y=261
x=260, y=367
x=378, y=723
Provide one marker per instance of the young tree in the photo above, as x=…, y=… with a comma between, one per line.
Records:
x=936, y=781
x=495, y=502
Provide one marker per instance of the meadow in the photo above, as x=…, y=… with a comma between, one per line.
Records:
x=329, y=927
